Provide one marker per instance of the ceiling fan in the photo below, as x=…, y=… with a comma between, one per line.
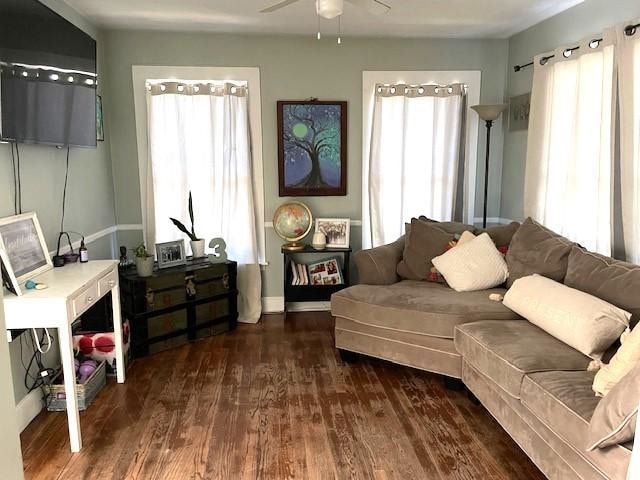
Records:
x=333, y=8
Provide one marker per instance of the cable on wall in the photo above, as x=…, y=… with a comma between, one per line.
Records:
x=64, y=191
x=17, y=180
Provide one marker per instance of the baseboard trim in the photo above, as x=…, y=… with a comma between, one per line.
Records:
x=28, y=408
x=276, y=305
x=272, y=304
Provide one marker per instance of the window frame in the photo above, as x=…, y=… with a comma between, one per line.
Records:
x=470, y=78
x=250, y=75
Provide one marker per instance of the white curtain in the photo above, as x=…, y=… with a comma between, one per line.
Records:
x=629, y=84
x=199, y=141
x=568, y=181
x=414, y=158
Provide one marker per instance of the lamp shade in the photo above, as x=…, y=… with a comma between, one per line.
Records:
x=489, y=112
x=329, y=8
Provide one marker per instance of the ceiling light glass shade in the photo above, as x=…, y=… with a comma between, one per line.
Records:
x=329, y=8
x=489, y=112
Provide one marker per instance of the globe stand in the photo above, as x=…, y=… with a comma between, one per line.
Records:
x=293, y=246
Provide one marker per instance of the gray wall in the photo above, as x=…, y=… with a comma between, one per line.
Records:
x=90, y=204
x=291, y=67
x=10, y=453
x=573, y=25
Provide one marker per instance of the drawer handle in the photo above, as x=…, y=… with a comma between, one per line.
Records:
x=89, y=299
x=225, y=281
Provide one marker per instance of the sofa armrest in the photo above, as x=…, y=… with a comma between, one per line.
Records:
x=377, y=266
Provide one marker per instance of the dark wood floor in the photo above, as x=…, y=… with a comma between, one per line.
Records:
x=273, y=401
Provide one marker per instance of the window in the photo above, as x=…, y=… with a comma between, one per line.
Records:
x=419, y=150
x=568, y=181
x=198, y=139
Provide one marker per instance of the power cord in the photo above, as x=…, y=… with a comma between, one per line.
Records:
x=17, y=183
x=45, y=375
x=64, y=191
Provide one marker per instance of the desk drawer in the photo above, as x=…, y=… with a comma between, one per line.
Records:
x=85, y=300
x=106, y=283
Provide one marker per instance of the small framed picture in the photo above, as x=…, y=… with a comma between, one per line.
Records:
x=23, y=250
x=336, y=230
x=171, y=254
x=326, y=272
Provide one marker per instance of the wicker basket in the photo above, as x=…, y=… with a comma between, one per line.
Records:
x=85, y=392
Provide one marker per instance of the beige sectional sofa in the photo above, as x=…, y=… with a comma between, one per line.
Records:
x=536, y=387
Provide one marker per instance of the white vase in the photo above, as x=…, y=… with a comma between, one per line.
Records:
x=144, y=266
x=197, y=248
x=319, y=241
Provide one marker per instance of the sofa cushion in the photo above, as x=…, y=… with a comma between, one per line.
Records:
x=500, y=234
x=507, y=351
x=611, y=280
x=563, y=401
x=424, y=240
x=536, y=249
x=614, y=420
x=418, y=307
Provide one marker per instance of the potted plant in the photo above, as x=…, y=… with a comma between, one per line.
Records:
x=144, y=261
x=197, y=244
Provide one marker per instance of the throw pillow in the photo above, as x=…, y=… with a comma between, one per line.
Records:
x=611, y=280
x=536, y=249
x=474, y=265
x=434, y=274
x=614, y=419
x=423, y=242
x=582, y=321
x=627, y=357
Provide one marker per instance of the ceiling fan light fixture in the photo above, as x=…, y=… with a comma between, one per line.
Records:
x=329, y=8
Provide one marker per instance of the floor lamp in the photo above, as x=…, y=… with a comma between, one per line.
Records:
x=488, y=113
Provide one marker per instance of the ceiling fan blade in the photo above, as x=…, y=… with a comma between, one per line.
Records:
x=372, y=6
x=278, y=6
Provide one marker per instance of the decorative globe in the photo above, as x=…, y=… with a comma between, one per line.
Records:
x=292, y=222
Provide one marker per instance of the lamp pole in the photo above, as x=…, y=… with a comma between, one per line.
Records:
x=488, y=113
x=489, y=124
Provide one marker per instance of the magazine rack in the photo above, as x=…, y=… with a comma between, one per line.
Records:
x=313, y=293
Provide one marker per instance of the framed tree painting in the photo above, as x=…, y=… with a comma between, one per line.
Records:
x=312, y=148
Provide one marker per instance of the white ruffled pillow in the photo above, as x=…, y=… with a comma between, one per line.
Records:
x=473, y=265
x=627, y=357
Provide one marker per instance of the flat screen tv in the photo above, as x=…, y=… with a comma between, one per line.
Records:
x=47, y=77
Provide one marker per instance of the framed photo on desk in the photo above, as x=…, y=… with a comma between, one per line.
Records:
x=23, y=250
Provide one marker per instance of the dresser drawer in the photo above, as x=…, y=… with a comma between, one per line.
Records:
x=85, y=299
x=106, y=283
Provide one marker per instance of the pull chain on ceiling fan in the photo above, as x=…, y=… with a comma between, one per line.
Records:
x=330, y=9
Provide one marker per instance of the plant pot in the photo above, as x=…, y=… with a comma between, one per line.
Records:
x=144, y=266
x=197, y=248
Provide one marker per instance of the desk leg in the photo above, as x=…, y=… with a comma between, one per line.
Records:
x=69, y=371
x=117, y=333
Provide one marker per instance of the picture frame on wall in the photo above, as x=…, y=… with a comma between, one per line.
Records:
x=336, y=231
x=171, y=254
x=99, y=119
x=23, y=250
x=519, y=108
x=312, y=148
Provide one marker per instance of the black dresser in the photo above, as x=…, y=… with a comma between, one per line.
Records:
x=179, y=304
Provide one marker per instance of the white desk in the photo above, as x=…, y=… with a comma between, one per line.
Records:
x=72, y=290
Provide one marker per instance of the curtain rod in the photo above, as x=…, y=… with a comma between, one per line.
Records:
x=629, y=31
